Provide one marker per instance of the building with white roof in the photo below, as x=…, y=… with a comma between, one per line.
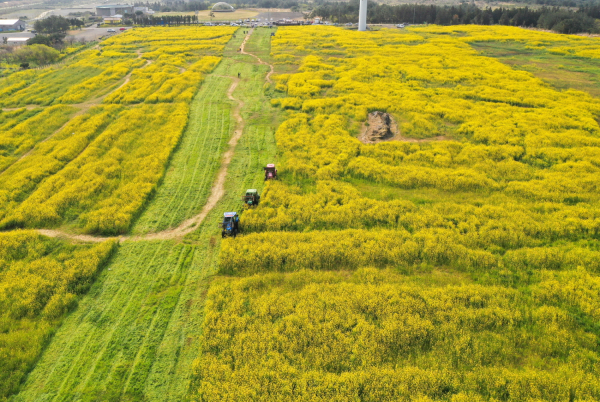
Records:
x=16, y=41
x=12, y=25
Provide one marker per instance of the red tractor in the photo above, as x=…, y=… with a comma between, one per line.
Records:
x=270, y=172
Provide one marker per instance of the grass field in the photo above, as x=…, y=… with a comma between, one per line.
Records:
x=190, y=176
x=136, y=334
x=580, y=73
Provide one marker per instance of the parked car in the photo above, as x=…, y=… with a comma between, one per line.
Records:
x=110, y=30
x=122, y=29
x=400, y=26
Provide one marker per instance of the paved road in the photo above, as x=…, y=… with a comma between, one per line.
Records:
x=90, y=34
x=16, y=35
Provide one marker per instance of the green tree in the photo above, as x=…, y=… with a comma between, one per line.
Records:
x=54, y=40
x=53, y=24
x=36, y=54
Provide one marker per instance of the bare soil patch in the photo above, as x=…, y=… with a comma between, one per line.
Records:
x=382, y=127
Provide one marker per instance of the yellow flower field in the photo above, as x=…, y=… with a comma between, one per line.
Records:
x=97, y=132
x=456, y=262
x=517, y=166
x=376, y=335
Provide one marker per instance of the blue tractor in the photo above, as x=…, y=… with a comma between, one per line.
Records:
x=230, y=224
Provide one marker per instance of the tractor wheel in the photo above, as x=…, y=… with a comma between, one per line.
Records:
x=223, y=235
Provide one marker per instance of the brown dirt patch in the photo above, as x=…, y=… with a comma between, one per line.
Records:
x=382, y=127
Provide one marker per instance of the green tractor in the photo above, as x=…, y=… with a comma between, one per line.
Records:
x=251, y=198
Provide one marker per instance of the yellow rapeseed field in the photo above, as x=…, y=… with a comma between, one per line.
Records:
x=456, y=262
x=97, y=132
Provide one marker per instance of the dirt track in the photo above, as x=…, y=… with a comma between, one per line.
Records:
x=216, y=193
x=268, y=77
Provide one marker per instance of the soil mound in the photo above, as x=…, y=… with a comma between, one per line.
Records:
x=381, y=127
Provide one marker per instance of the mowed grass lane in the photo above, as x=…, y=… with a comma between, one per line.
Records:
x=136, y=334
x=188, y=181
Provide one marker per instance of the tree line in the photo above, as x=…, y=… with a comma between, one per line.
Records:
x=175, y=6
x=151, y=20
x=554, y=18
x=559, y=3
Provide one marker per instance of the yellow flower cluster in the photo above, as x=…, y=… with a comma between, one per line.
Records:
x=40, y=280
x=570, y=45
x=24, y=129
x=163, y=82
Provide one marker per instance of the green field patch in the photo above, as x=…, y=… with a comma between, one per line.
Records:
x=41, y=280
x=562, y=72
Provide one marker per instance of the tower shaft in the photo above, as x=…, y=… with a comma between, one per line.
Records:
x=362, y=16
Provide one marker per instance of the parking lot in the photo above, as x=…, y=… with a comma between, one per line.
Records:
x=87, y=34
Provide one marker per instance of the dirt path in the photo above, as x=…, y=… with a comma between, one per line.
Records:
x=28, y=107
x=216, y=193
x=268, y=77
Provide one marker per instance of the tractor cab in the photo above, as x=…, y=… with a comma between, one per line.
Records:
x=230, y=224
x=270, y=172
x=251, y=198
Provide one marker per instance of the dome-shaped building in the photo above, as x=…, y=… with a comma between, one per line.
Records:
x=222, y=7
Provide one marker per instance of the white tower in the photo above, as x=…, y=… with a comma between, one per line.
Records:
x=362, y=16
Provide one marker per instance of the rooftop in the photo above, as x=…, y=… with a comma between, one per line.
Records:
x=8, y=22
